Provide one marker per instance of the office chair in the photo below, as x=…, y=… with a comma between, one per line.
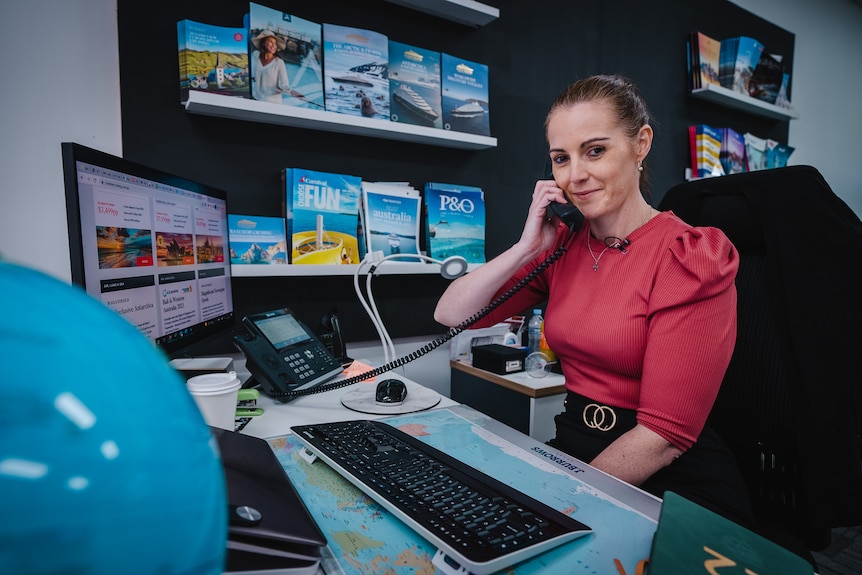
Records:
x=790, y=405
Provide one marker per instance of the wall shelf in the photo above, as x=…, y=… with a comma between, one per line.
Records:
x=292, y=270
x=466, y=12
x=268, y=113
x=738, y=101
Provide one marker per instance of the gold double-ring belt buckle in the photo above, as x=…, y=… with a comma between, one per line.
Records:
x=601, y=417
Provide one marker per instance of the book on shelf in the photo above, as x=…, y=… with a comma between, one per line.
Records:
x=466, y=107
x=755, y=152
x=767, y=78
x=356, y=71
x=322, y=216
x=705, y=145
x=454, y=218
x=414, y=85
x=256, y=240
x=732, y=152
x=738, y=58
x=777, y=154
x=212, y=59
x=295, y=76
x=704, y=59
x=692, y=539
x=390, y=218
x=783, y=100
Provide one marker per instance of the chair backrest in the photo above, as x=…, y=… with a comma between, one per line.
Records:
x=790, y=406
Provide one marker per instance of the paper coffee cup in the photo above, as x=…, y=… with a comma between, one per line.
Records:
x=216, y=396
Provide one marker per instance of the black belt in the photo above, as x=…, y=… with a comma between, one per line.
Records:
x=598, y=416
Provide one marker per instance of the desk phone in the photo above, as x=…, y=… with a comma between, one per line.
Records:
x=283, y=355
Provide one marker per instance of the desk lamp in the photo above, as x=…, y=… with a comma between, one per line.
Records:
x=451, y=268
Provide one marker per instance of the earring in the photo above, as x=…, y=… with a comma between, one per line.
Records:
x=640, y=167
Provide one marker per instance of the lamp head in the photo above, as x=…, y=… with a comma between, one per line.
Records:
x=453, y=267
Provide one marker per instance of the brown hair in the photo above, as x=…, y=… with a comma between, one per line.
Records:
x=618, y=91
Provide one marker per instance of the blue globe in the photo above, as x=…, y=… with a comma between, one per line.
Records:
x=106, y=464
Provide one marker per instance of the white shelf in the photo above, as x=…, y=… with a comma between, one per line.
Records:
x=293, y=270
x=739, y=101
x=466, y=12
x=268, y=113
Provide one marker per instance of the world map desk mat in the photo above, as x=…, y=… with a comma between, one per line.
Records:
x=364, y=538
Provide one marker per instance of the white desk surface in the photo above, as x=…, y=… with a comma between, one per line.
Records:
x=278, y=418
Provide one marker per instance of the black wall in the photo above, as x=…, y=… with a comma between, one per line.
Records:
x=533, y=50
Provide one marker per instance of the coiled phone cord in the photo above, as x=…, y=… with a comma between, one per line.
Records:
x=284, y=397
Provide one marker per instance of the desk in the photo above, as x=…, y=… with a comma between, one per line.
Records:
x=526, y=403
x=278, y=418
x=364, y=538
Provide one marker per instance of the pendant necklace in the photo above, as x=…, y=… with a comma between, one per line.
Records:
x=610, y=245
x=595, y=259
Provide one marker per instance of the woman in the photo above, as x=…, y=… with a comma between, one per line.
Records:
x=268, y=74
x=641, y=307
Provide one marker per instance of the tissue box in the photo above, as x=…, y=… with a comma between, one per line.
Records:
x=498, y=358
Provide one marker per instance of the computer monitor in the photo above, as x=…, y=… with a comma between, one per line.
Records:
x=150, y=245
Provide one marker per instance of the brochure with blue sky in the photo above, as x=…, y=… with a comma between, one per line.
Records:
x=455, y=221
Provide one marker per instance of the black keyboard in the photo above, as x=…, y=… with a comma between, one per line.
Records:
x=478, y=522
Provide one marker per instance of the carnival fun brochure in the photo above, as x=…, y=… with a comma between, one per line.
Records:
x=322, y=216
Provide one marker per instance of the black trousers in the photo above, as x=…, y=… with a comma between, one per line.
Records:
x=707, y=473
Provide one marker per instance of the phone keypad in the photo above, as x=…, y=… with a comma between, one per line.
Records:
x=297, y=363
x=305, y=363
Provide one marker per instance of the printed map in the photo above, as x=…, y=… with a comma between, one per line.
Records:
x=364, y=538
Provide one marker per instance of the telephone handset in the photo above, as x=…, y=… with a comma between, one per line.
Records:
x=283, y=355
x=568, y=213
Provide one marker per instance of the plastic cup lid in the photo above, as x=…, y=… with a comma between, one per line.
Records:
x=213, y=383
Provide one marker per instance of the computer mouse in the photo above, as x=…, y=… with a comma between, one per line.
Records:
x=390, y=392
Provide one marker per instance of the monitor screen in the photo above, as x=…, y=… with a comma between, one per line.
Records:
x=150, y=245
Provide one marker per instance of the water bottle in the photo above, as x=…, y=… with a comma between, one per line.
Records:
x=534, y=331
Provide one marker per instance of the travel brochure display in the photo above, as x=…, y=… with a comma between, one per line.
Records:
x=465, y=96
x=322, y=216
x=333, y=68
x=356, y=70
x=298, y=43
x=257, y=240
x=212, y=59
x=745, y=68
x=414, y=85
x=721, y=151
x=739, y=64
x=455, y=221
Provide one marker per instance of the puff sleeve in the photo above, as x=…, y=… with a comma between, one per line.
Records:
x=691, y=334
